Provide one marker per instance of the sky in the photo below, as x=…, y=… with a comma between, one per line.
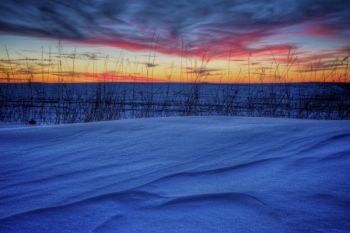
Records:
x=225, y=41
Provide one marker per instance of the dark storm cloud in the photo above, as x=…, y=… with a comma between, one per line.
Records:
x=169, y=26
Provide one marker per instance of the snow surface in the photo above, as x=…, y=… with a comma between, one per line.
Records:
x=190, y=174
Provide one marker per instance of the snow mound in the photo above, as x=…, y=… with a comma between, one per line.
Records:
x=190, y=174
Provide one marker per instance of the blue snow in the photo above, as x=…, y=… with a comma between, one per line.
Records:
x=178, y=174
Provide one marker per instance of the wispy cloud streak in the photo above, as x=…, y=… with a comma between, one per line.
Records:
x=216, y=28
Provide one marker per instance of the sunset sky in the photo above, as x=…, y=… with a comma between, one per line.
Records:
x=176, y=41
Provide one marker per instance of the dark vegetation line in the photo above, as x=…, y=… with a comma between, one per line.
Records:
x=71, y=103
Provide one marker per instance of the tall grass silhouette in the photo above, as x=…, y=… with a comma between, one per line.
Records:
x=50, y=89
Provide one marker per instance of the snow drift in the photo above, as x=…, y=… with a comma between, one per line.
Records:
x=192, y=174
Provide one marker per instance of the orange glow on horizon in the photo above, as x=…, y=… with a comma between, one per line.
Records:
x=279, y=64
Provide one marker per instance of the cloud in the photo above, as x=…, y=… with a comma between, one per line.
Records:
x=111, y=77
x=216, y=28
x=202, y=71
x=150, y=65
